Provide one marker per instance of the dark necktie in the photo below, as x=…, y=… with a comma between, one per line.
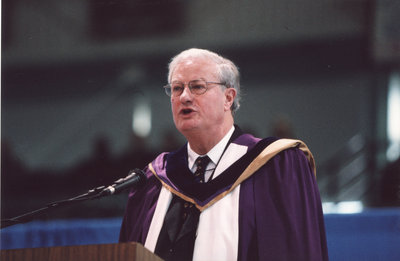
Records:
x=178, y=233
x=201, y=163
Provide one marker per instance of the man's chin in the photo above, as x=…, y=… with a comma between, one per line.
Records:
x=187, y=127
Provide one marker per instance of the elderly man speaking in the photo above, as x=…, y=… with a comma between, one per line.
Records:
x=225, y=195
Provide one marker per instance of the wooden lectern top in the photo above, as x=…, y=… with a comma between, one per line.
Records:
x=106, y=252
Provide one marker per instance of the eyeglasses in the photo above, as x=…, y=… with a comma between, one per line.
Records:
x=197, y=87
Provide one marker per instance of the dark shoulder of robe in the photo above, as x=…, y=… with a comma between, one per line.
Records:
x=280, y=213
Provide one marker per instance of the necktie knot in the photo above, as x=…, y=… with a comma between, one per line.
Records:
x=201, y=165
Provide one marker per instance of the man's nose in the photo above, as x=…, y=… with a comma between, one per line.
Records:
x=186, y=95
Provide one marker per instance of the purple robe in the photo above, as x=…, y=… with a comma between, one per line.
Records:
x=280, y=213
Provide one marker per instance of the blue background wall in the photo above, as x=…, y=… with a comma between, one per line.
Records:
x=371, y=235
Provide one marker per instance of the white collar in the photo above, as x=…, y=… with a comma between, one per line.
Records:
x=214, y=154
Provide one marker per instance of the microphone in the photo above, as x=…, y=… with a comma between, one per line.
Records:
x=136, y=178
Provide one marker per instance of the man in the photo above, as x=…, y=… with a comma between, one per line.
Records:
x=248, y=199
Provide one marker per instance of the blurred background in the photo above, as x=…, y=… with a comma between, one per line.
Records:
x=82, y=101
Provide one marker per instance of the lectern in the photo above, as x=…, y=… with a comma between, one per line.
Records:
x=106, y=252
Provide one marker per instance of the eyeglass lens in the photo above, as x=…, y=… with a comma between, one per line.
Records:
x=195, y=87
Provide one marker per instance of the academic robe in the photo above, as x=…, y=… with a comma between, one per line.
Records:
x=279, y=213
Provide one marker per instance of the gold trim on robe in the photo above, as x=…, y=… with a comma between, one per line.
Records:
x=268, y=153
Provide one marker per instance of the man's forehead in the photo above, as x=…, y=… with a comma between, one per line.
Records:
x=195, y=65
x=193, y=68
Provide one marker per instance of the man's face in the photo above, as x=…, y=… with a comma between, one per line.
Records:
x=193, y=112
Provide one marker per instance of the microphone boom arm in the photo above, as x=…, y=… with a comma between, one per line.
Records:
x=136, y=178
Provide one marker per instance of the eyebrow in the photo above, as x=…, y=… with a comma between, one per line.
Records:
x=199, y=79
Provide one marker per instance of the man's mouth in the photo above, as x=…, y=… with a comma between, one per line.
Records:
x=186, y=111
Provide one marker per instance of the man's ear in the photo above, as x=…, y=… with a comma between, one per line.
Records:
x=230, y=94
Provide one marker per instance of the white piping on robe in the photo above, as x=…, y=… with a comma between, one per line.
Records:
x=164, y=199
x=218, y=230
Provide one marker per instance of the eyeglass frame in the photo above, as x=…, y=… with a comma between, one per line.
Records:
x=168, y=87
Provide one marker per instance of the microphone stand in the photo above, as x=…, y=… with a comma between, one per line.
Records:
x=91, y=194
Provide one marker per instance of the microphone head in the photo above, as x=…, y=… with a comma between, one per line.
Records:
x=140, y=176
x=135, y=179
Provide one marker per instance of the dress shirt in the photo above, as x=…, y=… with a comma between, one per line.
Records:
x=214, y=154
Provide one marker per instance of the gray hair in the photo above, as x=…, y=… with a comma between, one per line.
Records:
x=228, y=73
